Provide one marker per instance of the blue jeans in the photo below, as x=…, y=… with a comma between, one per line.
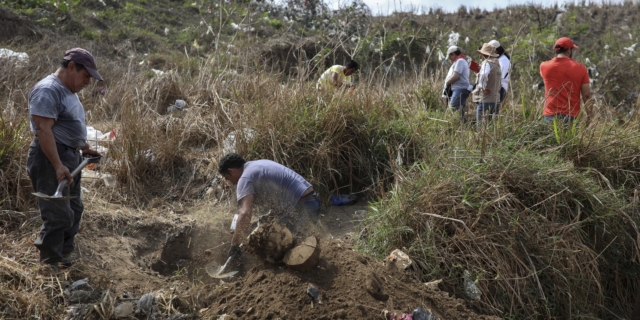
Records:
x=484, y=107
x=561, y=117
x=459, y=100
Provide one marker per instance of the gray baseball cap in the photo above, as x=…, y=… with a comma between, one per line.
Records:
x=83, y=57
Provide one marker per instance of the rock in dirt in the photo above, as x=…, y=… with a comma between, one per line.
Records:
x=304, y=256
x=433, y=285
x=123, y=310
x=401, y=260
x=271, y=241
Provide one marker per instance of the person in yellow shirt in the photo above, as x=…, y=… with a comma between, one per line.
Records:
x=337, y=76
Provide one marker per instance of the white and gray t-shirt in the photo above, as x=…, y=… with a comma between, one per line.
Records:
x=50, y=98
x=460, y=66
x=273, y=185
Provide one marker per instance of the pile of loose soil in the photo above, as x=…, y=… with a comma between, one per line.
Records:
x=351, y=286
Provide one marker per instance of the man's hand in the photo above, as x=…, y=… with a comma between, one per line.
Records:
x=87, y=151
x=234, y=252
x=63, y=172
x=234, y=259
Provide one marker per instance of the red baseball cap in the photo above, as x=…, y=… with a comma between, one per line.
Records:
x=83, y=57
x=564, y=43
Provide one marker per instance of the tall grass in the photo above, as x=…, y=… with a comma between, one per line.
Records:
x=545, y=219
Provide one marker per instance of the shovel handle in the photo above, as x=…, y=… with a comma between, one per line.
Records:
x=75, y=172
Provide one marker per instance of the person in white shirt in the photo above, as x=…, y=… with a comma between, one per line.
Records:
x=457, y=81
x=505, y=66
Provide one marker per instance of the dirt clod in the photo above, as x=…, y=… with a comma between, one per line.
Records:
x=270, y=242
x=304, y=256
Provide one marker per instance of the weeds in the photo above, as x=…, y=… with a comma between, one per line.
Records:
x=544, y=217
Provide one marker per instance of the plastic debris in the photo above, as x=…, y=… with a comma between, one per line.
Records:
x=145, y=304
x=79, y=291
x=470, y=289
x=81, y=284
x=314, y=293
x=19, y=58
x=178, y=105
x=391, y=315
x=230, y=143
x=421, y=314
x=343, y=199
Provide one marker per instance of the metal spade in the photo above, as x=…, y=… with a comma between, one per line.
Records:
x=58, y=195
x=221, y=272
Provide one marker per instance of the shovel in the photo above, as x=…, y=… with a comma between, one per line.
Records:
x=58, y=195
x=221, y=272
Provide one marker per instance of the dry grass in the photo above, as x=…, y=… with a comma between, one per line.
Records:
x=546, y=220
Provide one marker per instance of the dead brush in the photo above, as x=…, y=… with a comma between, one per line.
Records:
x=25, y=290
x=533, y=231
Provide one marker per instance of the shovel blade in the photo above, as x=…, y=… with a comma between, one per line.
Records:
x=48, y=197
x=220, y=272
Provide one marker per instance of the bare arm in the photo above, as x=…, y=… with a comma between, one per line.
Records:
x=244, y=219
x=48, y=144
x=454, y=77
x=585, y=91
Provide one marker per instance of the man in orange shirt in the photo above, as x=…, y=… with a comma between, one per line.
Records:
x=565, y=80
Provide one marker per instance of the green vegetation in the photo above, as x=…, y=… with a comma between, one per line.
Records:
x=543, y=217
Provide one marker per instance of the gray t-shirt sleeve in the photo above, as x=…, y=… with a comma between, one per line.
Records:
x=45, y=102
x=460, y=66
x=244, y=188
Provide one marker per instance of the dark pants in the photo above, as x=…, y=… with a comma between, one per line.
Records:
x=61, y=218
x=503, y=93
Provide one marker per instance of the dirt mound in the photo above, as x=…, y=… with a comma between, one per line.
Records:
x=351, y=286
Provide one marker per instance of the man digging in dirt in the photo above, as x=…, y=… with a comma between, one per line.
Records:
x=287, y=195
x=58, y=123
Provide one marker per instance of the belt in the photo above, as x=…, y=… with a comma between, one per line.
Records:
x=77, y=149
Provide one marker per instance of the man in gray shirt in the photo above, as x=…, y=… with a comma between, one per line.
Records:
x=57, y=120
x=270, y=185
x=458, y=80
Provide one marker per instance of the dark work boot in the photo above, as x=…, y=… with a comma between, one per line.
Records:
x=66, y=261
x=50, y=268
